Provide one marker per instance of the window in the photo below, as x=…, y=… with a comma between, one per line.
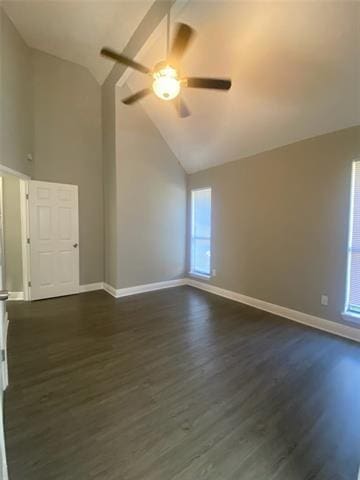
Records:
x=201, y=231
x=352, y=306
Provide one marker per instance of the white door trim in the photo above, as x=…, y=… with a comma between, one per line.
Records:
x=24, y=214
x=24, y=226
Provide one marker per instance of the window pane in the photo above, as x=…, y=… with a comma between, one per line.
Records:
x=201, y=231
x=353, y=300
x=354, y=294
x=202, y=213
x=201, y=255
x=356, y=209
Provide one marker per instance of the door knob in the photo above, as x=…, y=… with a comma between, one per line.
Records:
x=75, y=245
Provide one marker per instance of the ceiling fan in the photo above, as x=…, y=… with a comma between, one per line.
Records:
x=166, y=79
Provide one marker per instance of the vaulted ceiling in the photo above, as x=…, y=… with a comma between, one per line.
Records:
x=295, y=67
x=76, y=30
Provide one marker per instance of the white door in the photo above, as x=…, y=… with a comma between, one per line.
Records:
x=54, y=239
x=3, y=335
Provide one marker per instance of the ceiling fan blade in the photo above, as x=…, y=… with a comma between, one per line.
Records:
x=118, y=57
x=181, y=107
x=181, y=41
x=214, y=83
x=136, y=96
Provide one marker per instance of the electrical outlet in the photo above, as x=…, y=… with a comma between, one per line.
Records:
x=214, y=272
x=324, y=300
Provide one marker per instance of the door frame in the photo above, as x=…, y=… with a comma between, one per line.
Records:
x=3, y=467
x=25, y=226
x=4, y=170
x=25, y=247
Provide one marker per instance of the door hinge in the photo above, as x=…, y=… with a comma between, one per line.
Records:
x=29, y=284
x=27, y=196
x=28, y=240
x=3, y=357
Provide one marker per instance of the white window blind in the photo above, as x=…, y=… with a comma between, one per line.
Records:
x=201, y=231
x=353, y=287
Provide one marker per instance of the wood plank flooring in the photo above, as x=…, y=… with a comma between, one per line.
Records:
x=177, y=384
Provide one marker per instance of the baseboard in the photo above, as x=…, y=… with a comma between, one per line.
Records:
x=16, y=296
x=109, y=289
x=319, y=323
x=90, y=287
x=149, y=287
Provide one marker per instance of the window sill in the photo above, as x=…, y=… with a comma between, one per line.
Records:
x=200, y=275
x=351, y=317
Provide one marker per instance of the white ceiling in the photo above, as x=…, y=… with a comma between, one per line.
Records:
x=295, y=68
x=76, y=30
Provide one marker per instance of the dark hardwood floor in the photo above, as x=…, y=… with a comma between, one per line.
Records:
x=177, y=385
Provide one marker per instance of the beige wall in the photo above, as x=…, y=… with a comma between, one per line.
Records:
x=12, y=234
x=280, y=222
x=52, y=109
x=151, y=196
x=110, y=185
x=15, y=99
x=67, y=147
x=117, y=173
x=65, y=130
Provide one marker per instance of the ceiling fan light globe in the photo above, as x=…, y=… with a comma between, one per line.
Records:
x=166, y=84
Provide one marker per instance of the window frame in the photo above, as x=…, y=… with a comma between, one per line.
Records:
x=349, y=314
x=193, y=272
